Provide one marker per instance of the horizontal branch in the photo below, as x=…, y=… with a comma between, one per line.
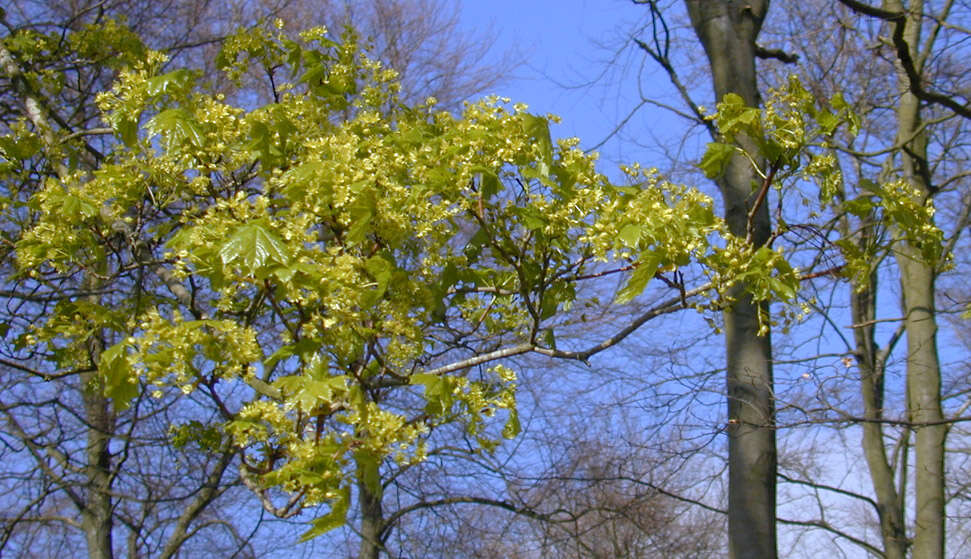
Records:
x=823, y=525
x=671, y=305
x=481, y=359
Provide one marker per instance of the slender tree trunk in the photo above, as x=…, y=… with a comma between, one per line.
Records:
x=96, y=512
x=96, y=516
x=871, y=361
x=924, y=399
x=728, y=30
x=372, y=521
x=917, y=278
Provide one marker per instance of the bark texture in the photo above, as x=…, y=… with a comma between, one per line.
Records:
x=96, y=514
x=372, y=521
x=871, y=361
x=728, y=31
x=917, y=279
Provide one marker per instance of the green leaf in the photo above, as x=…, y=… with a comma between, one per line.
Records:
x=783, y=290
x=22, y=148
x=177, y=81
x=179, y=126
x=76, y=207
x=827, y=121
x=305, y=173
x=438, y=393
x=731, y=100
x=333, y=519
x=860, y=206
x=871, y=186
x=512, y=427
x=549, y=305
x=642, y=274
x=318, y=368
x=361, y=211
x=127, y=130
x=549, y=338
x=253, y=246
x=120, y=384
x=631, y=234
x=314, y=75
x=284, y=273
x=539, y=129
x=450, y=276
x=532, y=218
x=473, y=249
x=488, y=183
x=379, y=268
x=381, y=271
x=716, y=159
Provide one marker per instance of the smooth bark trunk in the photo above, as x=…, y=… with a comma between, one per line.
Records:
x=924, y=399
x=728, y=30
x=96, y=516
x=871, y=364
x=372, y=521
x=917, y=279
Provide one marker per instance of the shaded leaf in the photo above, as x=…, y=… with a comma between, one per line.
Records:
x=512, y=427
x=120, y=384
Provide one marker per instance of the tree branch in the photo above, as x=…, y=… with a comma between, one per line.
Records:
x=902, y=48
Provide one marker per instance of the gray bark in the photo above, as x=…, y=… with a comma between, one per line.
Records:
x=96, y=516
x=372, y=521
x=924, y=401
x=728, y=31
x=871, y=363
x=917, y=279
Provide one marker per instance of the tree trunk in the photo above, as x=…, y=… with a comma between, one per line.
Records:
x=917, y=278
x=96, y=516
x=728, y=30
x=924, y=401
x=372, y=521
x=871, y=363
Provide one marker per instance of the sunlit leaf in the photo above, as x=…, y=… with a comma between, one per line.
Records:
x=253, y=246
x=179, y=126
x=333, y=519
x=716, y=159
x=647, y=266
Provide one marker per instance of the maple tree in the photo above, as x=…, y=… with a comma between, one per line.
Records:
x=336, y=272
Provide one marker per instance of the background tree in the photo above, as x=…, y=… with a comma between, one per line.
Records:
x=834, y=61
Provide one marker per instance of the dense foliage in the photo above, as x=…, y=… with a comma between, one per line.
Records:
x=338, y=273
x=335, y=274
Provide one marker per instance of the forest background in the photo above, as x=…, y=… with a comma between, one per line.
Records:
x=633, y=452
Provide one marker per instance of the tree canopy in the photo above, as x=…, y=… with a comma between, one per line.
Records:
x=326, y=274
x=336, y=272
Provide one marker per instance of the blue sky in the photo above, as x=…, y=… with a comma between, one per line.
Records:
x=564, y=44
